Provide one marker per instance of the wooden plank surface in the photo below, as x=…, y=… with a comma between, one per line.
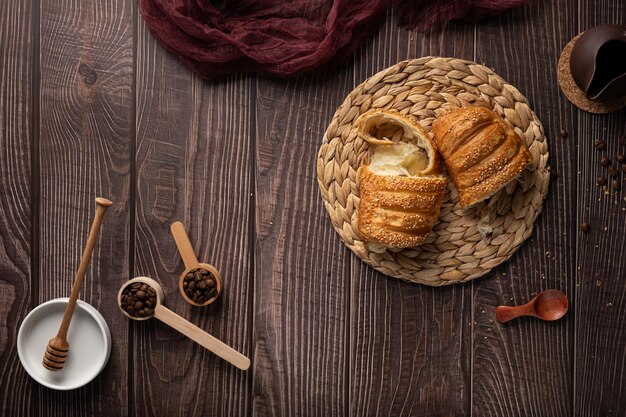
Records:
x=301, y=281
x=515, y=365
x=101, y=109
x=194, y=165
x=600, y=342
x=18, y=40
x=409, y=343
x=85, y=151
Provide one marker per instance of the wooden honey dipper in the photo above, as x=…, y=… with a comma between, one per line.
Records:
x=57, y=350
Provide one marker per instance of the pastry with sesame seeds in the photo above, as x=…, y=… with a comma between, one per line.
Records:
x=481, y=152
x=401, y=188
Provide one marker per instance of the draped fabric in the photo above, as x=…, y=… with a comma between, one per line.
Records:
x=282, y=38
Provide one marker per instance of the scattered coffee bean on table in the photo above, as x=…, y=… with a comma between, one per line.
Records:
x=200, y=285
x=624, y=168
x=601, y=181
x=605, y=162
x=139, y=299
x=615, y=184
x=585, y=227
x=612, y=171
x=600, y=144
x=621, y=158
x=563, y=133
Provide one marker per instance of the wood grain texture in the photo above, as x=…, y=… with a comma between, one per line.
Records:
x=409, y=343
x=600, y=343
x=194, y=165
x=523, y=368
x=301, y=291
x=113, y=114
x=17, y=142
x=85, y=151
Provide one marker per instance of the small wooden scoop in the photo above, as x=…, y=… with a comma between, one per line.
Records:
x=193, y=332
x=57, y=350
x=547, y=305
x=191, y=264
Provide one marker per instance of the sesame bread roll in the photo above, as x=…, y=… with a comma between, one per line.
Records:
x=481, y=152
x=401, y=189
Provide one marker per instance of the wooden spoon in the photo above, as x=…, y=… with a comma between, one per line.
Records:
x=191, y=264
x=193, y=332
x=57, y=350
x=548, y=305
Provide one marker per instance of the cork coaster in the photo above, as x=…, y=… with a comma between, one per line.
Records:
x=577, y=96
x=465, y=244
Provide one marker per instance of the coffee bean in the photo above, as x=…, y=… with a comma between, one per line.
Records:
x=601, y=181
x=615, y=184
x=600, y=144
x=612, y=171
x=605, y=162
x=624, y=168
x=585, y=227
x=201, y=285
x=136, y=300
x=621, y=158
x=563, y=133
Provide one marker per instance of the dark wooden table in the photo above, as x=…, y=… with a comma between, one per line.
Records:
x=92, y=105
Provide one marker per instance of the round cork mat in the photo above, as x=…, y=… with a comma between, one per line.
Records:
x=465, y=244
x=577, y=96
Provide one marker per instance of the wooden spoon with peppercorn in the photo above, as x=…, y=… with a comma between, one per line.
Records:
x=201, y=283
x=141, y=298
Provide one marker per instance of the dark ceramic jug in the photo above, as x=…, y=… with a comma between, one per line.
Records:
x=598, y=62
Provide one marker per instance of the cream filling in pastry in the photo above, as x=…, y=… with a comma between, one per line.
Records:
x=403, y=158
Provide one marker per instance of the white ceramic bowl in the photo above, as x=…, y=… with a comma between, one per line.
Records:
x=88, y=336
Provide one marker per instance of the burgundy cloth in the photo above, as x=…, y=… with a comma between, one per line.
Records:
x=286, y=37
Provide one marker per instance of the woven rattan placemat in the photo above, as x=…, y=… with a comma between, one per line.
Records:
x=458, y=249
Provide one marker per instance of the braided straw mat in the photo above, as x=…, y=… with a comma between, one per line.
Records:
x=456, y=251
